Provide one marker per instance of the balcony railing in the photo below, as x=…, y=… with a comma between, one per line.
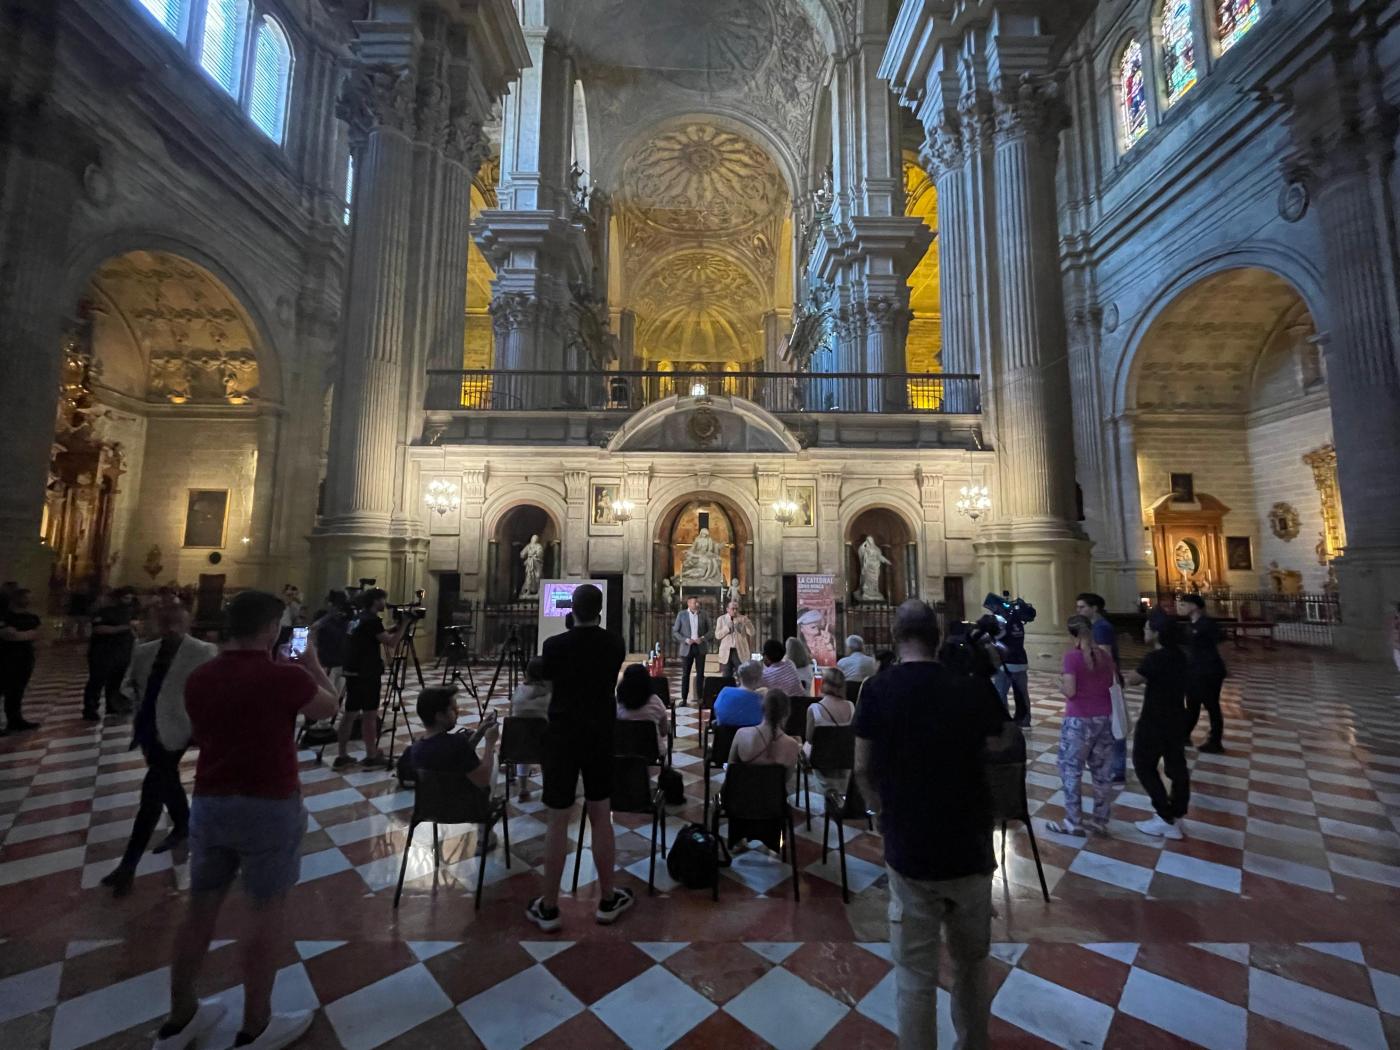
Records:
x=502, y=390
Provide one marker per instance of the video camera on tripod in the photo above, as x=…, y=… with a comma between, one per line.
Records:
x=1012, y=610
x=414, y=610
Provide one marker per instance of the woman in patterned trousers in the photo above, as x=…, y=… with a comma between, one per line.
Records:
x=1086, y=733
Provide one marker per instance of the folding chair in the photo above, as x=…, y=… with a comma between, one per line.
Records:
x=522, y=743
x=714, y=750
x=833, y=751
x=1007, y=780
x=797, y=716
x=757, y=793
x=635, y=751
x=451, y=798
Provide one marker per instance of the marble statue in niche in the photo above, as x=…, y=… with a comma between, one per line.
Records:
x=533, y=557
x=702, y=563
x=872, y=560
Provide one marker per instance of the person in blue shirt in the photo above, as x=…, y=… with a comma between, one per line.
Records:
x=741, y=705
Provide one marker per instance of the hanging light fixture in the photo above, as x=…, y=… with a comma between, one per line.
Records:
x=785, y=510
x=441, y=496
x=973, y=501
x=697, y=390
x=622, y=510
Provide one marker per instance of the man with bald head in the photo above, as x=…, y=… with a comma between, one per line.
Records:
x=922, y=732
x=155, y=683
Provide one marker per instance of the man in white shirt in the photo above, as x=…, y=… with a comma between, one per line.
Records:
x=856, y=665
x=691, y=632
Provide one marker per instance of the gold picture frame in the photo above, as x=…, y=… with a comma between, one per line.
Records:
x=206, y=519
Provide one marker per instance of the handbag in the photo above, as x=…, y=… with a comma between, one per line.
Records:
x=1119, y=712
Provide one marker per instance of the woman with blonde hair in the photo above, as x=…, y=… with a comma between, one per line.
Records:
x=1086, y=731
x=801, y=658
x=831, y=709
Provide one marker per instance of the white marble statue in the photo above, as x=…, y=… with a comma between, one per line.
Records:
x=533, y=557
x=701, y=563
x=668, y=594
x=871, y=560
x=731, y=594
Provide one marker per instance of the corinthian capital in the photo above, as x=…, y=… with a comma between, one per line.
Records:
x=514, y=310
x=377, y=96
x=976, y=119
x=1030, y=106
x=943, y=151
x=467, y=143
x=883, y=312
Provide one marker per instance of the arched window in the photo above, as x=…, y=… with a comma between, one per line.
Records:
x=271, y=79
x=1178, y=49
x=224, y=42
x=241, y=47
x=349, y=188
x=1233, y=19
x=1132, y=94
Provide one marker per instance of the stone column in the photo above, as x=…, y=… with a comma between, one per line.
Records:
x=1134, y=574
x=1346, y=161
x=946, y=161
x=43, y=157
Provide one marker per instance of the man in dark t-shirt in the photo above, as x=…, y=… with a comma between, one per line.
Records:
x=582, y=665
x=109, y=652
x=1161, y=728
x=1207, y=675
x=364, y=669
x=921, y=736
x=19, y=629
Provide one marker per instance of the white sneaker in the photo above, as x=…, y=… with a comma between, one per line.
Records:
x=206, y=1018
x=1160, y=828
x=282, y=1030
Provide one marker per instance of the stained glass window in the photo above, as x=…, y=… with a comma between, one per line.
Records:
x=1234, y=18
x=1132, y=93
x=1178, y=49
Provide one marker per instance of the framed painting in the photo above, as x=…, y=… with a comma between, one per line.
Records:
x=1183, y=488
x=1239, y=554
x=603, y=497
x=206, y=517
x=805, y=496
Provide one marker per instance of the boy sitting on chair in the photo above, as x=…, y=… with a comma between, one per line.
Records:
x=441, y=749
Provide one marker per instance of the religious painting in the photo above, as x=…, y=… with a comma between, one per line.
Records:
x=603, y=497
x=805, y=496
x=1183, y=488
x=1239, y=555
x=816, y=617
x=1186, y=556
x=206, y=516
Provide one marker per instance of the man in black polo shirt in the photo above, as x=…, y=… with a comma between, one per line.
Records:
x=583, y=664
x=109, y=652
x=1207, y=671
x=921, y=736
x=1160, y=734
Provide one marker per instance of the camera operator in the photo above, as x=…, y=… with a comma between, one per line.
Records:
x=1016, y=615
x=364, y=671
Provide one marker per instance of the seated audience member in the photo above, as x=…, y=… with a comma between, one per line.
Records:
x=778, y=672
x=884, y=660
x=741, y=705
x=857, y=665
x=801, y=658
x=530, y=700
x=442, y=750
x=766, y=744
x=832, y=709
x=637, y=702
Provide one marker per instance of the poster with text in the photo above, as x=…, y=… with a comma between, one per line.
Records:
x=816, y=617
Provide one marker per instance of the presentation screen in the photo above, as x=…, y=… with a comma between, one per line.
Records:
x=557, y=601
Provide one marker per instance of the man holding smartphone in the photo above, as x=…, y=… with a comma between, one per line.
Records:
x=440, y=749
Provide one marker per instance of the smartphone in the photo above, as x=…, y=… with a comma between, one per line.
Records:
x=297, y=646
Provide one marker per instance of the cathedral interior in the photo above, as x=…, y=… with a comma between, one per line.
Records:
x=804, y=304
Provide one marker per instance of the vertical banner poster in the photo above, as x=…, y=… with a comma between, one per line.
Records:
x=816, y=617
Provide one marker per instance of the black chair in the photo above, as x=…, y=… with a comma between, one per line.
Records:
x=635, y=751
x=797, y=716
x=451, y=798
x=522, y=743
x=1006, y=777
x=853, y=689
x=833, y=751
x=714, y=750
x=757, y=793
x=661, y=687
x=713, y=684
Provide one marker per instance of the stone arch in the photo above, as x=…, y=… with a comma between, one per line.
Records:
x=509, y=526
x=88, y=257
x=497, y=507
x=1287, y=265
x=899, y=503
x=897, y=539
x=661, y=525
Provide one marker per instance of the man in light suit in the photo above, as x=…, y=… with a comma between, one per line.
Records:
x=155, y=682
x=738, y=639
x=692, y=633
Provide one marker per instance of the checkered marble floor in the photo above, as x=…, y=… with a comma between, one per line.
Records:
x=1272, y=925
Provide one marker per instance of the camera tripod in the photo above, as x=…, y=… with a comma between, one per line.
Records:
x=458, y=657
x=404, y=651
x=512, y=661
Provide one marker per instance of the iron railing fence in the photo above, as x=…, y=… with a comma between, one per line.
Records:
x=1304, y=618
x=524, y=390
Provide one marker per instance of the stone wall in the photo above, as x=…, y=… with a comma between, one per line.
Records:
x=1276, y=451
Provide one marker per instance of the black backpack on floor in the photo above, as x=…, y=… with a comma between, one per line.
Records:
x=691, y=861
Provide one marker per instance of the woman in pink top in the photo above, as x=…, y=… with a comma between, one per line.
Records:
x=1086, y=733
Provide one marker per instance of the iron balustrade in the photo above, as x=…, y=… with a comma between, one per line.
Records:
x=527, y=390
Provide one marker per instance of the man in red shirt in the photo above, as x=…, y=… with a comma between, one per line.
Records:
x=246, y=815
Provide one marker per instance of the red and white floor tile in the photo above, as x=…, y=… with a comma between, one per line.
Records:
x=1270, y=926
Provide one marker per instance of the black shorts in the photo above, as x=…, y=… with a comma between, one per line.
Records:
x=362, y=692
x=569, y=753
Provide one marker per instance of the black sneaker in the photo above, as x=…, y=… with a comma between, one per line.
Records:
x=1212, y=747
x=344, y=762
x=21, y=725
x=546, y=919
x=609, y=910
x=174, y=840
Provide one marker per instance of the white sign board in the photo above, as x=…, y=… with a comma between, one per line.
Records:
x=557, y=601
